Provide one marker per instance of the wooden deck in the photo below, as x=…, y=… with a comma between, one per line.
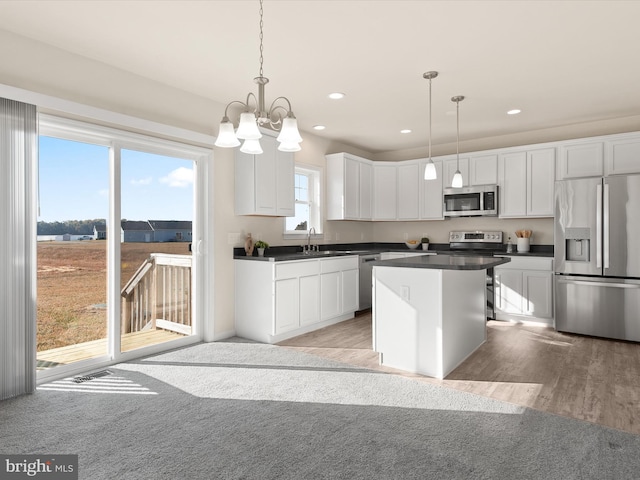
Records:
x=96, y=348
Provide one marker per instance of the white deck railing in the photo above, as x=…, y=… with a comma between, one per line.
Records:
x=158, y=295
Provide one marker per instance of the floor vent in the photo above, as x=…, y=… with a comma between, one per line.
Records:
x=91, y=376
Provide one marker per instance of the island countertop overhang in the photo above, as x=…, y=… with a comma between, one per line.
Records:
x=444, y=262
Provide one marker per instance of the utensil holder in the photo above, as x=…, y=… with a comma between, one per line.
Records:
x=523, y=245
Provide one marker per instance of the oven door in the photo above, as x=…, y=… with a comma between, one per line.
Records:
x=462, y=204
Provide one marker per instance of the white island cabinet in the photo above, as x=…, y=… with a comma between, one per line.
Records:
x=429, y=311
x=280, y=300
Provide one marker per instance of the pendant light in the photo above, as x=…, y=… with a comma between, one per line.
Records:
x=457, y=177
x=430, y=168
x=279, y=117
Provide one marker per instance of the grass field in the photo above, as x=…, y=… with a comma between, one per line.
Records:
x=72, y=287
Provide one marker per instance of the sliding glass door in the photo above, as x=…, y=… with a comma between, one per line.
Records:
x=117, y=264
x=72, y=262
x=156, y=248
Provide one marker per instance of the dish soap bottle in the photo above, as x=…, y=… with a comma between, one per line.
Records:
x=509, y=245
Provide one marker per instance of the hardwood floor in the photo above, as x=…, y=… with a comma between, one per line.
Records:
x=586, y=378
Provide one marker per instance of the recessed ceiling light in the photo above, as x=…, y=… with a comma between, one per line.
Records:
x=406, y=130
x=319, y=127
x=336, y=96
x=515, y=111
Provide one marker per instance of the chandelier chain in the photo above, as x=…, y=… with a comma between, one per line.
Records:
x=261, y=48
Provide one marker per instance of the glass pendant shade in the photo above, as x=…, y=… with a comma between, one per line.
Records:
x=226, y=136
x=457, y=180
x=251, y=146
x=289, y=147
x=248, y=128
x=430, y=171
x=289, y=133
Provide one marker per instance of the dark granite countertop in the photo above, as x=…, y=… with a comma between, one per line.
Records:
x=444, y=262
x=292, y=253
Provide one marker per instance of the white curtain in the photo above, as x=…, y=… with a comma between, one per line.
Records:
x=18, y=155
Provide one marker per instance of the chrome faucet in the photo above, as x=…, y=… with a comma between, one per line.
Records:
x=308, y=251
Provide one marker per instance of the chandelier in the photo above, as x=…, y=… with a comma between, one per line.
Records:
x=278, y=117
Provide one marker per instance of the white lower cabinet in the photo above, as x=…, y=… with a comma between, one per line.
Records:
x=524, y=290
x=537, y=289
x=278, y=300
x=309, y=299
x=330, y=305
x=339, y=286
x=287, y=305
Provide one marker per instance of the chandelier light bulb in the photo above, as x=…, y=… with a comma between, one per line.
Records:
x=289, y=132
x=289, y=147
x=226, y=136
x=251, y=146
x=248, y=128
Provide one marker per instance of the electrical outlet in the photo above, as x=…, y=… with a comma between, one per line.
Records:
x=406, y=236
x=337, y=236
x=404, y=292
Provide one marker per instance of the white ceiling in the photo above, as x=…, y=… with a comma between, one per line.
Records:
x=561, y=62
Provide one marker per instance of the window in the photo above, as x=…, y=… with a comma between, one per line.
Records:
x=142, y=278
x=307, y=206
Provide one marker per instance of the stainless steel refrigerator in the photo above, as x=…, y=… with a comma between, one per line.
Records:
x=597, y=256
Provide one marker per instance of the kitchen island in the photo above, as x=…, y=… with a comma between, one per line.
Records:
x=429, y=311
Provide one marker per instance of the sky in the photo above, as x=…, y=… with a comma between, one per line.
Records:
x=74, y=183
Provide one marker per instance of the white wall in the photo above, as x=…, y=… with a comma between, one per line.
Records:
x=34, y=66
x=438, y=231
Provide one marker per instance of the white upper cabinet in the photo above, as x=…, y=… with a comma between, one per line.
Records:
x=584, y=159
x=385, y=191
x=526, y=181
x=349, y=187
x=483, y=170
x=595, y=157
x=541, y=166
x=624, y=156
x=264, y=184
x=409, y=178
x=475, y=170
x=512, y=182
x=359, y=189
x=450, y=166
x=431, y=194
x=365, y=189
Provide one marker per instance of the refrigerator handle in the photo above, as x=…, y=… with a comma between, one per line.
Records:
x=605, y=225
x=599, y=225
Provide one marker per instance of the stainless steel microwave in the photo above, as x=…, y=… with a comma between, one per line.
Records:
x=481, y=200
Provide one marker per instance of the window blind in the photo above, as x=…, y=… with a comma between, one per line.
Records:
x=18, y=155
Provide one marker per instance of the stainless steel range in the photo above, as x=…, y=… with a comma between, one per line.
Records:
x=476, y=242
x=479, y=243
